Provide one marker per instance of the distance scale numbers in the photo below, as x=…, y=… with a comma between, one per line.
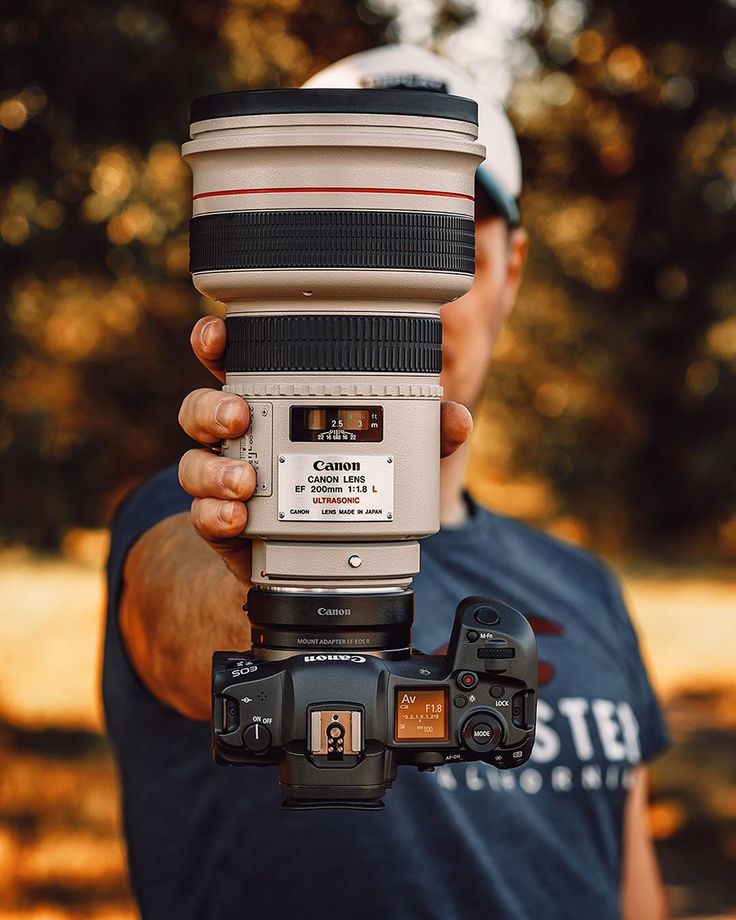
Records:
x=337, y=434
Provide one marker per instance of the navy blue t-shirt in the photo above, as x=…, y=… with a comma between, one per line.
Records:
x=465, y=842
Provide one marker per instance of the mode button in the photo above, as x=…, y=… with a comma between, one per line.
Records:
x=482, y=732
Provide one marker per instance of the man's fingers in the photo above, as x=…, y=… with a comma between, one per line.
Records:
x=208, y=343
x=205, y=475
x=217, y=520
x=456, y=424
x=220, y=524
x=208, y=416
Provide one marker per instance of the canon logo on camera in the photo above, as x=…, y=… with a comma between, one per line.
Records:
x=334, y=611
x=336, y=465
x=356, y=659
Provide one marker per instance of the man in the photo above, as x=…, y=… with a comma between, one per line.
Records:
x=565, y=836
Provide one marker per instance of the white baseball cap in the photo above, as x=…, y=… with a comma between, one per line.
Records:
x=411, y=67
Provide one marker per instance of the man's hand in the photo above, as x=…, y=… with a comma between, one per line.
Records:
x=221, y=486
x=177, y=603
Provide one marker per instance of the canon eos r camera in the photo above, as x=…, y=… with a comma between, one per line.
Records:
x=340, y=722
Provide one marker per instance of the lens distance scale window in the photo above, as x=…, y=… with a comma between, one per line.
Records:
x=335, y=487
x=336, y=423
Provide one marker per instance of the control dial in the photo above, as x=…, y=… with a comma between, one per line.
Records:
x=482, y=732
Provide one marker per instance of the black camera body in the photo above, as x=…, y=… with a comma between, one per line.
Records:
x=339, y=721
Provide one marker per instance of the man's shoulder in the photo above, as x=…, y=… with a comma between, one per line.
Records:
x=157, y=497
x=544, y=557
x=520, y=533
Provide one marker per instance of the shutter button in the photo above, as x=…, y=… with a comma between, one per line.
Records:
x=487, y=616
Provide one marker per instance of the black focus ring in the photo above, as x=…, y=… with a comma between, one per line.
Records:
x=346, y=342
x=380, y=240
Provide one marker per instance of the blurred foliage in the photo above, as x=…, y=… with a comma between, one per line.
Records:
x=616, y=384
x=94, y=204
x=611, y=398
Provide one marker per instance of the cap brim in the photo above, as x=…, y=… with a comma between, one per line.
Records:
x=507, y=206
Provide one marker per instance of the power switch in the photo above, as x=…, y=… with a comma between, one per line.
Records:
x=256, y=738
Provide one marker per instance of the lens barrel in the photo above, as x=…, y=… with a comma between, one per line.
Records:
x=333, y=225
x=345, y=182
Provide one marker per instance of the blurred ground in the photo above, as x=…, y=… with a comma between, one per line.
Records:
x=61, y=853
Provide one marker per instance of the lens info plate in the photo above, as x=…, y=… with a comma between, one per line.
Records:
x=335, y=487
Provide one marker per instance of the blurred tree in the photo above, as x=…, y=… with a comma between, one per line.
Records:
x=615, y=385
x=96, y=300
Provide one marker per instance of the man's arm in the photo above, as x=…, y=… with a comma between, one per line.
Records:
x=180, y=603
x=642, y=894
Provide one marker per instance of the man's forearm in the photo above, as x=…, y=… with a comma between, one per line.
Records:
x=642, y=894
x=179, y=603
